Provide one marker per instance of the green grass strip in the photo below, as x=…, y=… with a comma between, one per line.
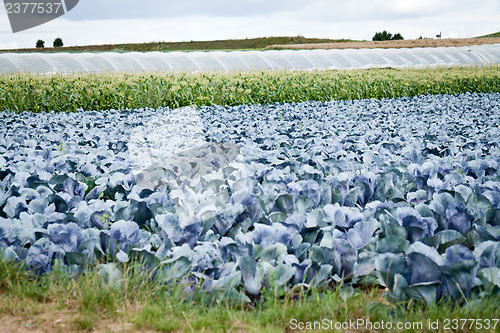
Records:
x=137, y=303
x=102, y=91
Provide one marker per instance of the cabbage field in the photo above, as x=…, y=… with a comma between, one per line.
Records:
x=402, y=193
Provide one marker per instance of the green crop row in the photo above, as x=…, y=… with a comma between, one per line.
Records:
x=101, y=91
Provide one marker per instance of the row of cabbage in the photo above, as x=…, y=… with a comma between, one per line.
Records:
x=402, y=193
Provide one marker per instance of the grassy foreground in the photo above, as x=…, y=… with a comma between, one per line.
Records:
x=31, y=92
x=57, y=303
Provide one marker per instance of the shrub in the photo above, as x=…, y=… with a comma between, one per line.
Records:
x=40, y=44
x=397, y=36
x=384, y=35
x=58, y=42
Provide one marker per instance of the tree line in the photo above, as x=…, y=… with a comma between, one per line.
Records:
x=384, y=35
x=57, y=43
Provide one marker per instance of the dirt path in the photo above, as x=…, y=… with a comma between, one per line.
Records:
x=63, y=321
x=391, y=44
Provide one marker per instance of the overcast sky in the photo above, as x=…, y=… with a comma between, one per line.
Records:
x=131, y=21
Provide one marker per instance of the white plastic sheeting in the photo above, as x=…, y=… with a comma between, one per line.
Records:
x=247, y=60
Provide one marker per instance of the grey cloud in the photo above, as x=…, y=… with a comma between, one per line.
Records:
x=309, y=12
x=133, y=9
x=388, y=10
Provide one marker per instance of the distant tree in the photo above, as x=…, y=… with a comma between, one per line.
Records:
x=58, y=42
x=384, y=35
x=40, y=44
x=397, y=36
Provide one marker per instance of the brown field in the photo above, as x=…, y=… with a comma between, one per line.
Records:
x=391, y=44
